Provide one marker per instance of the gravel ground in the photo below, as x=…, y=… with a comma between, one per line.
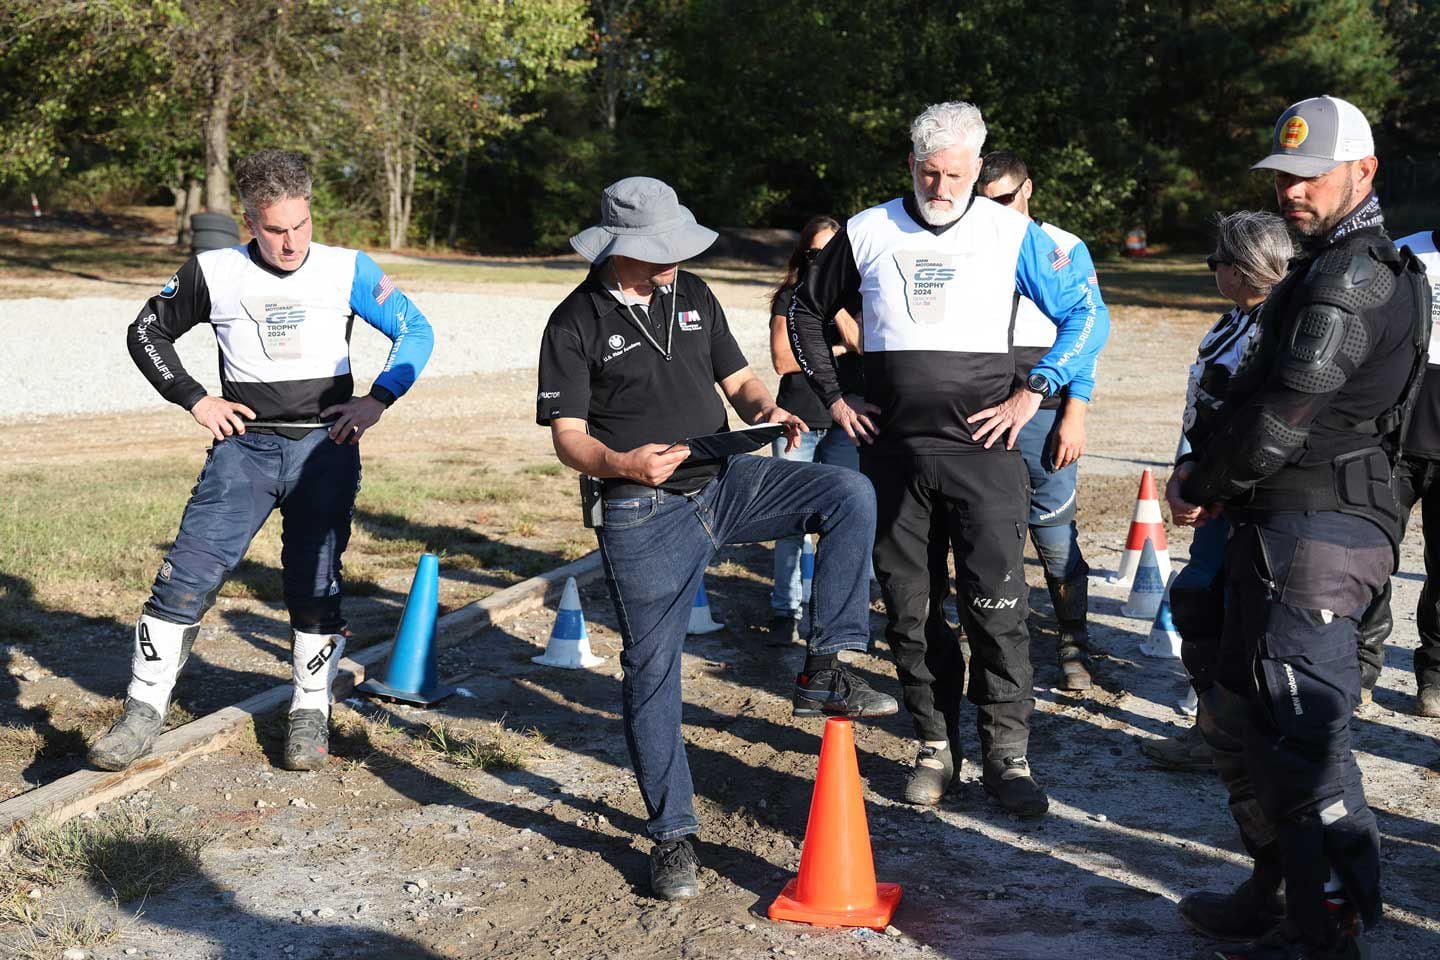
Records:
x=99, y=376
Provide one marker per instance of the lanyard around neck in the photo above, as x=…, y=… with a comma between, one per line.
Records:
x=643, y=323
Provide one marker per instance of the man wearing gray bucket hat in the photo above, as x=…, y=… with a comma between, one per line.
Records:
x=629, y=365
x=1301, y=464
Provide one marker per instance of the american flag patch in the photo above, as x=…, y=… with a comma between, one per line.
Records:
x=1093, y=280
x=1059, y=259
x=383, y=289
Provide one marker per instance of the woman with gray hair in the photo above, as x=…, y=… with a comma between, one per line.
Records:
x=1252, y=251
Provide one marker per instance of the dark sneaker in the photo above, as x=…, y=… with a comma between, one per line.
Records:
x=1250, y=912
x=1186, y=752
x=672, y=870
x=1074, y=670
x=1280, y=943
x=784, y=630
x=130, y=738
x=840, y=693
x=933, y=774
x=1008, y=780
x=1427, y=701
x=307, y=741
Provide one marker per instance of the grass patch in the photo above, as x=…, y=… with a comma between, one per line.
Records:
x=502, y=749
x=45, y=934
x=544, y=470
x=122, y=851
x=365, y=742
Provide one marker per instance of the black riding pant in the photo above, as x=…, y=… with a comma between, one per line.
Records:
x=981, y=499
x=1296, y=586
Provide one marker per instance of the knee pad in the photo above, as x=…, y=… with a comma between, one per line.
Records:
x=315, y=614
x=184, y=594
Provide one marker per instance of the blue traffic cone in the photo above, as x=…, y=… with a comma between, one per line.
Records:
x=700, y=619
x=1148, y=587
x=807, y=567
x=412, y=673
x=1164, y=639
x=569, y=645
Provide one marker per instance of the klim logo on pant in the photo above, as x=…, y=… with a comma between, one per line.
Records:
x=147, y=646
x=317, y=663
x=994, y=603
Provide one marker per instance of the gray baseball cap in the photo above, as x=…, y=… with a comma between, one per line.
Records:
x=641, y=217
x=1315, y=135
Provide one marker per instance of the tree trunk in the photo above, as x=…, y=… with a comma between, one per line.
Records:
x=459, y=200
x=187, y=205
x=217, y=135
x=407, y=200
x=394, y=165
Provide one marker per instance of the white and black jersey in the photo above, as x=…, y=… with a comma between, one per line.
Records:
x=284, y=336
x=1423, y=437
x=937, y=304
x=1222, y=350
x=1035, y=332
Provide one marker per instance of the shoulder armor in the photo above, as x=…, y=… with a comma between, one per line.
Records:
x=1353, y=277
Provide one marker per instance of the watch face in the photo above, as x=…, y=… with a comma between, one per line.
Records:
x=1039, y=384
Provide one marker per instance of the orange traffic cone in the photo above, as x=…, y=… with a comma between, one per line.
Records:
x=836, y=886
x=1146, y=523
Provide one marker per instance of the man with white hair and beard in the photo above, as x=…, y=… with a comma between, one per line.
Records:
x=938, y=273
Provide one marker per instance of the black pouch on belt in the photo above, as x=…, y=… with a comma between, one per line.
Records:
x=592, y=501
x=1364, y=487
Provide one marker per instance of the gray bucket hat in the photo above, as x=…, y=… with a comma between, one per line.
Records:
x=641, y=217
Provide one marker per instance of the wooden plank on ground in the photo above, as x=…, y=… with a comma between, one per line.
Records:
x=86, y=790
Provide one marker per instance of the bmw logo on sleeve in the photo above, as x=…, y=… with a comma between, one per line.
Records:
x=172, y=286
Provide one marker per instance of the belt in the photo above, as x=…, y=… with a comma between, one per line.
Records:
x=292, y=429
x=629, y=490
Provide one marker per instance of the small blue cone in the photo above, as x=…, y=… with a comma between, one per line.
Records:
x=412, y=673
x=1164, y=639
x=807, y=567
x=700, y=619
x=569, y=645
x=1148, y=588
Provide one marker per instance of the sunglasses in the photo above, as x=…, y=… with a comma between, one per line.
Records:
x=1214, y=262
x=811, y=253
x=1005, y=199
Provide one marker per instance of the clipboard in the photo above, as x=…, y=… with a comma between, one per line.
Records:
x=718, y=446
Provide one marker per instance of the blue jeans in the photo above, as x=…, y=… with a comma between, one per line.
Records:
x=312, y=480
x=655, y=550
x=830, y=446
x=1052, y=500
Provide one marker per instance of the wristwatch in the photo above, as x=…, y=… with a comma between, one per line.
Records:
x=1036, y=383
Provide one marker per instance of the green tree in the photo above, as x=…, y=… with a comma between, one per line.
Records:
x=420, y=80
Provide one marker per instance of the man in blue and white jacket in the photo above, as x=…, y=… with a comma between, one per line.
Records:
x=287, y=430
x=938, y=272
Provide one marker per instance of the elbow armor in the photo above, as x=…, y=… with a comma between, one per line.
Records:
x=1276, y=443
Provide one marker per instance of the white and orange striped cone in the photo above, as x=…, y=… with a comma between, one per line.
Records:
x=1147, y=588
x=1145, y=524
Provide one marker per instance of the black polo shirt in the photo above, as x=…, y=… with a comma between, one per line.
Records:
x=600, y=364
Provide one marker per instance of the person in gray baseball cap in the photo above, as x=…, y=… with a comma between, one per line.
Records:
x=1301, y=461
x=629, y=363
